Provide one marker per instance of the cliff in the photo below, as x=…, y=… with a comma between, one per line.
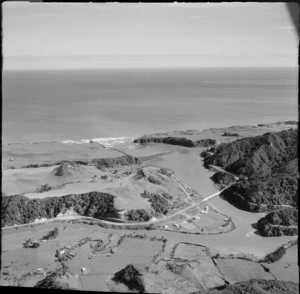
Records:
x=180, y=141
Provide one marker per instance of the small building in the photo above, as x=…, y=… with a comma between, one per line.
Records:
x=113, y=250
x=84, y=270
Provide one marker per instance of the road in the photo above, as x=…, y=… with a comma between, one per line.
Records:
x=70, y=217
x=223, y=171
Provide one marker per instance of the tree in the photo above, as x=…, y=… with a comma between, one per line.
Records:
x=55, y=232
x=28, y=243
x=35, y=245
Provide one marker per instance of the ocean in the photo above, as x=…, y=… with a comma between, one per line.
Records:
x=124, y=103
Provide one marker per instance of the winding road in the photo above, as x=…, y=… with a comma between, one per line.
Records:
x=156, y=221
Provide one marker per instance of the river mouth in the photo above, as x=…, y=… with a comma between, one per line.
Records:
x=188, y=167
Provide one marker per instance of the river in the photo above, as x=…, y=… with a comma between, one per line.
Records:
x=188, y=166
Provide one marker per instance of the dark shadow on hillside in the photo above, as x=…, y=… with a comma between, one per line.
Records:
x=236, y=205
x=242, y=206
x=131, y=277
x=293, y=9
x=254, y=226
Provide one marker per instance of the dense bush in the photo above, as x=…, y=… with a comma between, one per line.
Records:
x=138, y=215
x=267, y=166
x=21, y=210
x=159, y=203
x=153, y=180
x=275, y=256
x=43, y=188
x=131, y=277
x=277, y=222
x=223, y=179
x=256, y=154
x=112, y=162
x=274, y=189
x=28, y=243
x=35, y=245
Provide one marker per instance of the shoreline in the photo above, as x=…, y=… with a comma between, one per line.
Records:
x=100, y=139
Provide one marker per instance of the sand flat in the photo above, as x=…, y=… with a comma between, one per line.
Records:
x=38, y=153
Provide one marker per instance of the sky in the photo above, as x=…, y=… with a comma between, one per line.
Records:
x=122, y=35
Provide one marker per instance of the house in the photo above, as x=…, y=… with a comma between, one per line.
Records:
x=84, y=270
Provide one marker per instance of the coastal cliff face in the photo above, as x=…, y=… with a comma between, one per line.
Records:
x=22, y=210
x=180, y=141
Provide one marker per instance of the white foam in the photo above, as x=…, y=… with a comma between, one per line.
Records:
x=85, y=141
x=108, y=141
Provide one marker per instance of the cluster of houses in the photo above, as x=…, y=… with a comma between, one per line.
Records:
x=65, y=253
x=194, y=218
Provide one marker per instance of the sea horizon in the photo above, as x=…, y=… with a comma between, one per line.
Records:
x=112, y=103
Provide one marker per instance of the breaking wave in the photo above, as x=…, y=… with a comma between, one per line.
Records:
x=108, y=142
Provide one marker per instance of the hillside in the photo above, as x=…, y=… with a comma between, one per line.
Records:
x=60, y=280
x=267, y=166
x=253, y=155
x=258, y=287
x=100, y=163
x=279, y=222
